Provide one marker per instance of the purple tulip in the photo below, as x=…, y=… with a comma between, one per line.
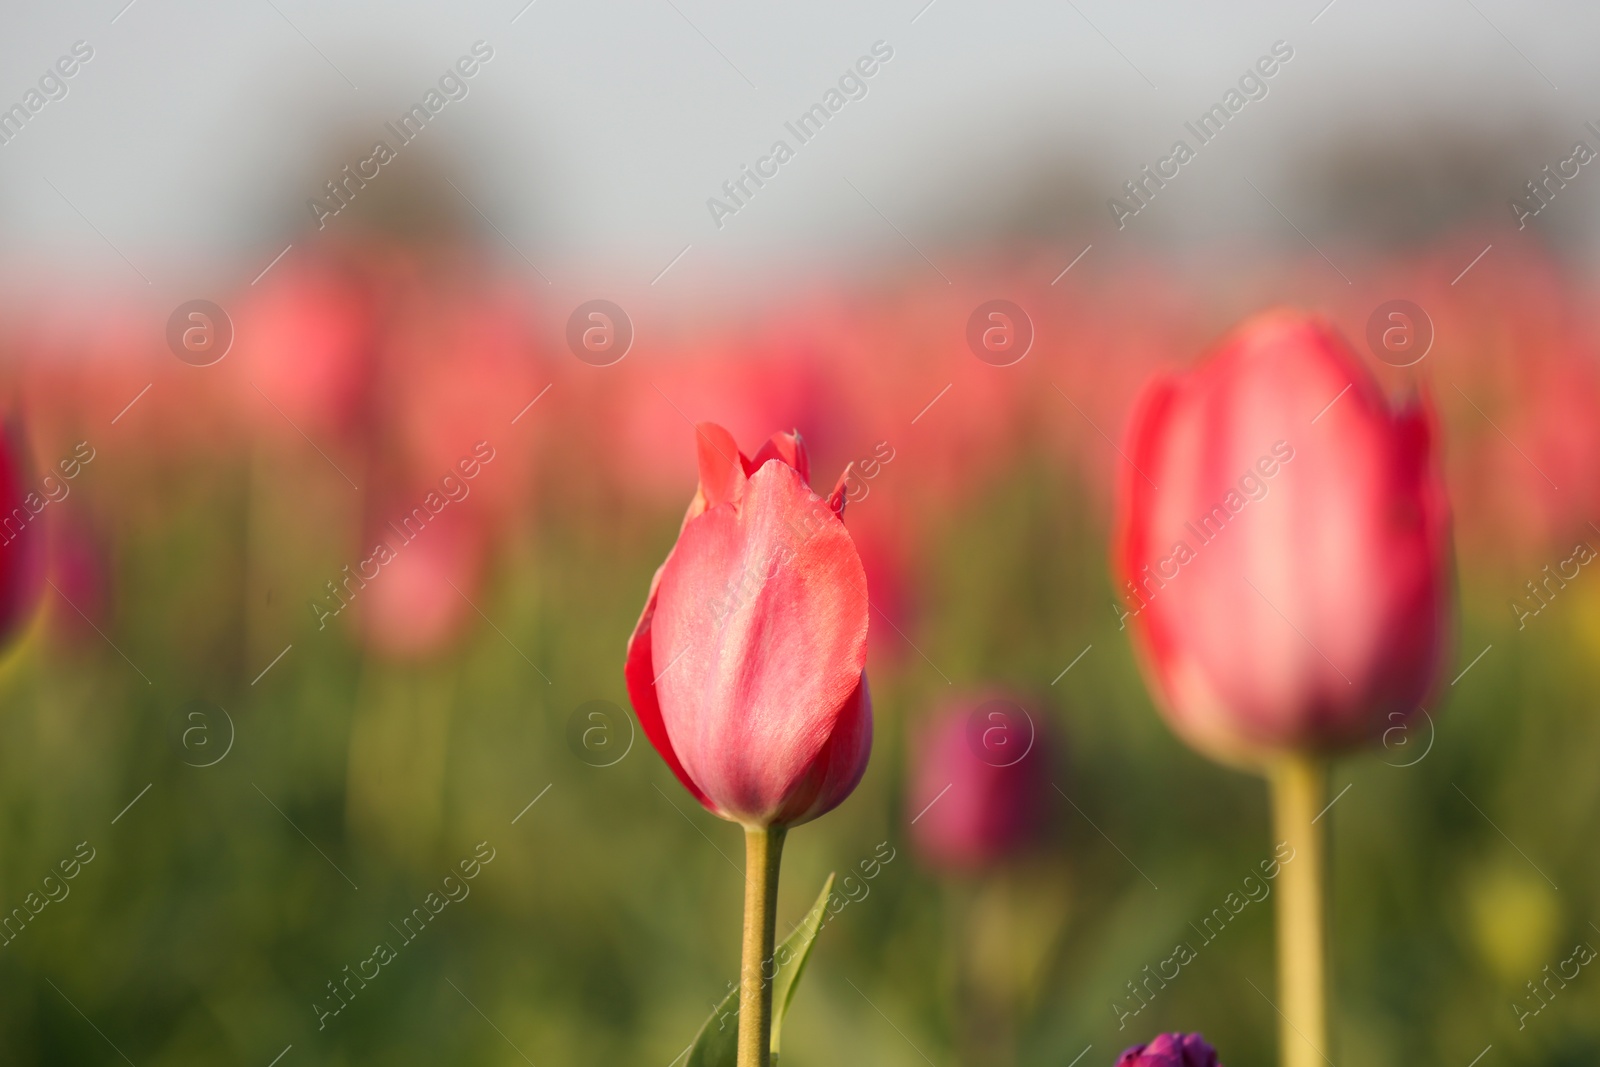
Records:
x=980, y=784
x=1171, y=1050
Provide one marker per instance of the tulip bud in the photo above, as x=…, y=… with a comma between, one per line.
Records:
x=747, y=665
x=1283, y=551
x=1171, y=1050
x=974, y=801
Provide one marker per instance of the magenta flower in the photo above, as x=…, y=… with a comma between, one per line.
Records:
x=1171, y=1050
x=975, y=801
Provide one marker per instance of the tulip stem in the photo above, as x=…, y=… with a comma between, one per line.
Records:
x=763, y=847
x=1299, y=786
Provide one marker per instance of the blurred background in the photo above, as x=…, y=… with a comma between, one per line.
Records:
x=271, y=762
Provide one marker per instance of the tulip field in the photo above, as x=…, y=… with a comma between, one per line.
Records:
x=959, y=607
x=269, y=720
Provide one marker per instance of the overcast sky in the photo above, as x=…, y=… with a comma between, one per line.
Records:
x=195, y=136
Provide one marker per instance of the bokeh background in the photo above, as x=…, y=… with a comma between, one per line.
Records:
x=265, y=788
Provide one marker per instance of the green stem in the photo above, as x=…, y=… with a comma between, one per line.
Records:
x=1299, y=789
x=763, y=847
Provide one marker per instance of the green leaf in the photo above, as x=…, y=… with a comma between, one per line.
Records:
x=716, y=1045
x=792, y=956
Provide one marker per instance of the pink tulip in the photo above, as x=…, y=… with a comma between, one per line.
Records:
x=306, y=337
x=414, y=608
x=747, y=666
x=1171, y=1050
x=1284, y=545
x=979, y=787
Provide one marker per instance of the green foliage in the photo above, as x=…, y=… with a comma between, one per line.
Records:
x=719, y=1046
x=209, y=924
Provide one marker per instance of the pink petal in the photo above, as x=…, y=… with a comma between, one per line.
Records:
x=722, y=474
x=640, y=674
x=838, y=768
x=787, y=447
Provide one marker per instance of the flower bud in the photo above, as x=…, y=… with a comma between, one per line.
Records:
x=1283, y=545
x=747, y=666
x=1171, y=1050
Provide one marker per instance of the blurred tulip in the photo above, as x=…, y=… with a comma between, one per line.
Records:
x=451, y=362
x=306, y=337
x=972, y=803
x=746, y=668
x=1171, y=1050
x=1283, y=545
x=415, y=607
x=1284, y=538
x=1549, y=405
x=456, y=364
x=22, y=541
x=80, y=569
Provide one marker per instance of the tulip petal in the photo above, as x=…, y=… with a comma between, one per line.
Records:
x=766, y=604
x=722, y=470
x=840, y=765
x=641, y=676
x=788, y=447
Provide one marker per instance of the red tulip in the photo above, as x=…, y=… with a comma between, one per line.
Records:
x=747, y=666
x=22, y=540
x=1284, y=545
x=979, y=785
x=1171, y=1050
